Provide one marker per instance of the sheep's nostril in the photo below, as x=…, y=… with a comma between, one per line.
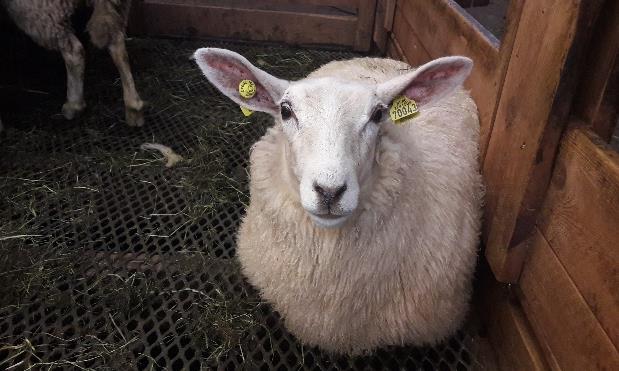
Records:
x=329, y=195
x=339, y=191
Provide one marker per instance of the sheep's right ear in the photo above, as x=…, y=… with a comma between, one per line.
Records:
x=226, y=69
x=428, y=83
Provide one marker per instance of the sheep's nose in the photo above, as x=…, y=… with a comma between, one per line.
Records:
x=329, y=195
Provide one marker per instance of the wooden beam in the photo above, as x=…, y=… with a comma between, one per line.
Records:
x=531, y=115
x=246, y=20
x=570, y=335
x=514, y=12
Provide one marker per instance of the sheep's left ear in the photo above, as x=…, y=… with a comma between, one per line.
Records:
x=428, y=83
x=225, y=69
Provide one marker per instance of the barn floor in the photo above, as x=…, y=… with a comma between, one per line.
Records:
x=110, y=261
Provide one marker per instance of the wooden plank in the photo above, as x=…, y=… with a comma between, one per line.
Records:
x=528, y=125
x=347, y=5
x=514, y=12
x=570, y=334
x=598, y=94
x=383, y=24
x=380, y=36
x=408, y=41
x=445, y=30
x=344, y=4
x=580, y=221
x=190, y=18
x=394, y=50
x=365, y=25
x=508, y=330
x=389, y=13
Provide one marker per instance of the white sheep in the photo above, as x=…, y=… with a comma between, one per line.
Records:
x=48, y=23
x=362, y=233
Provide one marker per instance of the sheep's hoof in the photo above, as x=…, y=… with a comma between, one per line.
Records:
x=71, y=110
x=135, y=116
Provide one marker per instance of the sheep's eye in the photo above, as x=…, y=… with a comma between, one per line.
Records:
x=377, y=115
x=286, y=111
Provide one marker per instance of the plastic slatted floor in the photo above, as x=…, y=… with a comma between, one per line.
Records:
x=120, y=266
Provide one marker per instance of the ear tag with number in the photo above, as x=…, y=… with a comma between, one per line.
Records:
x=402, y=109
x=247, y=89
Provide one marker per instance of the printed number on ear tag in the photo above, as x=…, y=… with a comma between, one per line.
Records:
x=247, y=89
x=246, y=111
x=402, y=108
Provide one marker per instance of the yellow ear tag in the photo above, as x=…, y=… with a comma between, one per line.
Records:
x=247, y=89
x=246, y=111
x=402, y=109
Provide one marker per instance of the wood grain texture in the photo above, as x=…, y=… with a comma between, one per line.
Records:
x=389, y=13
x=531, y=115
x=443, y=30
x=508, y=329
x=365, y=25
x=293, y=24
x=380, y=35
x=570, y=335
x=394, y=50
x=348, y=5
x=580, y=221
x=514, y=12
x=408, y=41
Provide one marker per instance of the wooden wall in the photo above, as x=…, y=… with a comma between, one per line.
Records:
x=569, y=283
x=346, y=23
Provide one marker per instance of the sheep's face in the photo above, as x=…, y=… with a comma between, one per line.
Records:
x=332, y=134
x=332, y=125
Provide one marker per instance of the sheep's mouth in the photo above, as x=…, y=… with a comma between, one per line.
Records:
x=330, y=216
x=328, y=220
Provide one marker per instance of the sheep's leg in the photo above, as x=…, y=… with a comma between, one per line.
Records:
x=73, y=55
x=133, y=103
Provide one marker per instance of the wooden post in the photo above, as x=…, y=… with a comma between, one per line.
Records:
x=365, y=25
x=531, y=115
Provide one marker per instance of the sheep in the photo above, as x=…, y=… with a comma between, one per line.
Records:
x=361, y=232
x=48, y=23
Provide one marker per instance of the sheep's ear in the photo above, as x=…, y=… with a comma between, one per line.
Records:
x=226, y=69
x=428, y=83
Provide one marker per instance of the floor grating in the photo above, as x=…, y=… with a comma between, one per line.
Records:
x=110, y=261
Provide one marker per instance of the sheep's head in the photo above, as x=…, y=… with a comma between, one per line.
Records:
x=332, y=125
